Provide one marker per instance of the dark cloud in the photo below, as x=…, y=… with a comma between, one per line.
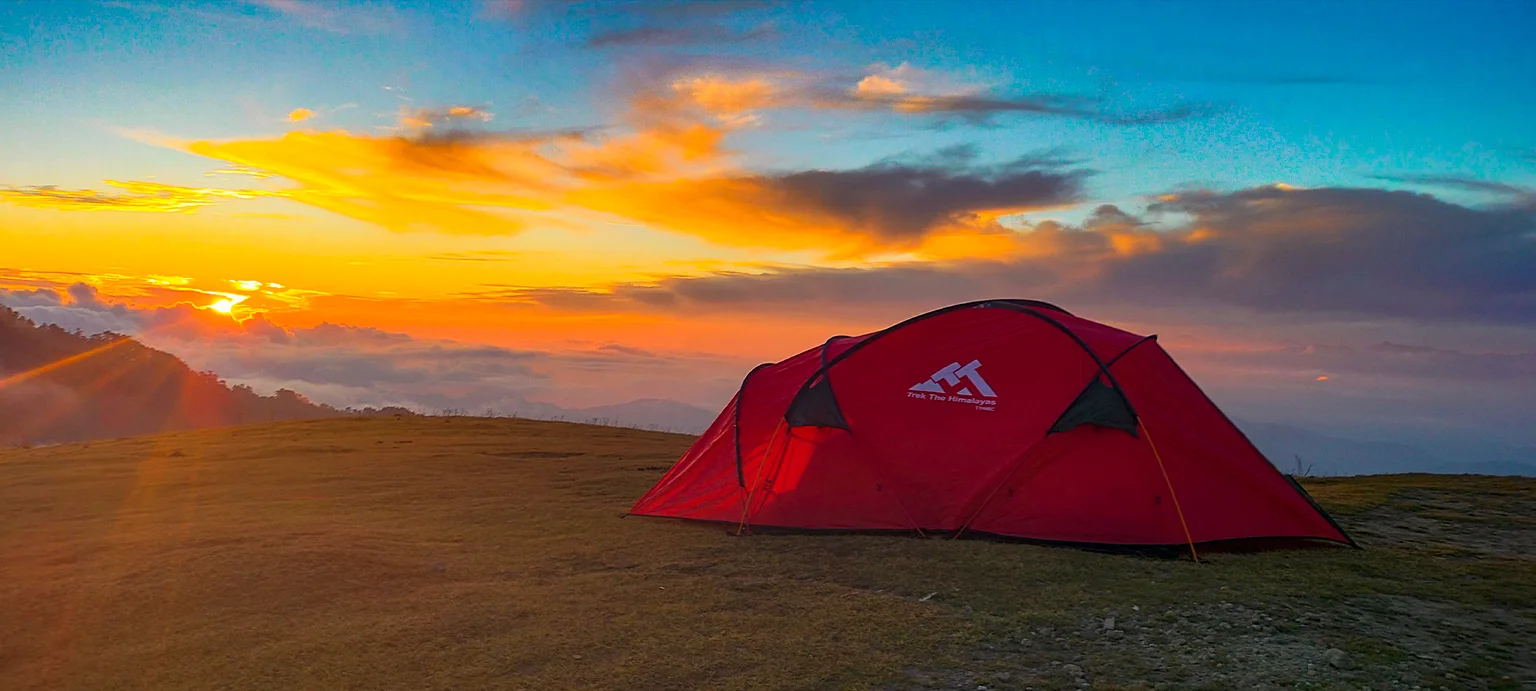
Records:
x=893, y=289
x=1365, y=251
x=626, y=350
x=892, y=200
x=678, y=36
x=1331, y=251
x=651, y=23
x=888, y=204
x=981, y=108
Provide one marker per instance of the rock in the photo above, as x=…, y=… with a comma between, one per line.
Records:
x=1073, y=670
x=1450, y=676
x=1338, y=659
x=1116, y=634
x=1109, y=623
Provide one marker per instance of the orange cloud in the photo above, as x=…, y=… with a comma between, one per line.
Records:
x=729, y=101
x=300, y=114
x=877, y=85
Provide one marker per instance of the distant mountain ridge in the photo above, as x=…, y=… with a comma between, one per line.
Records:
x=61, y=386
x=651, y=413
x=1325, y=455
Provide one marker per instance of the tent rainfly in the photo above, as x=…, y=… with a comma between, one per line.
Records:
x=1007, y=417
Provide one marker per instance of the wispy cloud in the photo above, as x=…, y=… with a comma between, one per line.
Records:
x=240, y=170
x=335, y=16
x=478, y=256
x=909, y=91
x=417, y=119
x=1467, y=183
x=137, y=196
x=678, y=36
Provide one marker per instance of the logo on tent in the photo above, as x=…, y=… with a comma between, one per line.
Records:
x=943, y=384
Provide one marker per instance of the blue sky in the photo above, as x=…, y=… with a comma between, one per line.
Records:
x=1304, y=93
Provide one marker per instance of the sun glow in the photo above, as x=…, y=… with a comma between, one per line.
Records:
x=227, y=304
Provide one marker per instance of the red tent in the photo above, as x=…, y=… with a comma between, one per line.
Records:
x=1009, y=417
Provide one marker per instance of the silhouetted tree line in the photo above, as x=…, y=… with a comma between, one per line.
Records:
x=58, y=386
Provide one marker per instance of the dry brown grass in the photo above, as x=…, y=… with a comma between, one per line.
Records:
x=456, y=553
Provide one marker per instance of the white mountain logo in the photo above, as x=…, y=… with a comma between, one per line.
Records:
x=945, y=380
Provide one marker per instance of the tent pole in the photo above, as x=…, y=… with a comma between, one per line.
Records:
x=1172, y=494
x=874, y=468
x=990, y=495
x=746, y=505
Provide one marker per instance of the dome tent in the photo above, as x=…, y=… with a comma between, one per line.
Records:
x=1009, y=417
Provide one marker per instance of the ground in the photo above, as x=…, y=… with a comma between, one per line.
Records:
x=461, y=553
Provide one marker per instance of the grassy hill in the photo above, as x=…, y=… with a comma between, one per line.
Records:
x=459, y=553
x=57, y=385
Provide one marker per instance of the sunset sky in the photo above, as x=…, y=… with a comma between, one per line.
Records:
x=1326, y=211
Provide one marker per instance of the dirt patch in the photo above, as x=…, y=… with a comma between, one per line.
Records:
x=1450, y=521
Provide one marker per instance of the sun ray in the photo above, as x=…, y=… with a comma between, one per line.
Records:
x=40, y=370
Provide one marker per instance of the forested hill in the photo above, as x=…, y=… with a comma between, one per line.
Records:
x=58, y=386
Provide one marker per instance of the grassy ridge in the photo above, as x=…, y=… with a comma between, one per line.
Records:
x=453, y=553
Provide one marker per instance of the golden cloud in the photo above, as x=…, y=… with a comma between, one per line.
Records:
x=140, y=196
x=403, y=184
x=300, y=114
